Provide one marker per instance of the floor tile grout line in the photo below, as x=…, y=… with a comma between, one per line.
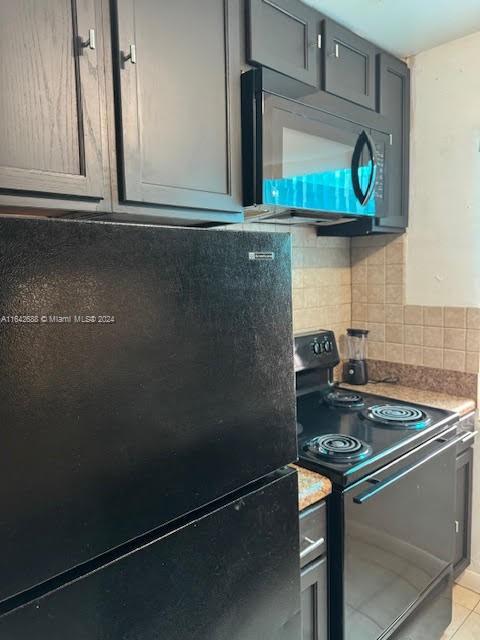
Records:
x=460, y=627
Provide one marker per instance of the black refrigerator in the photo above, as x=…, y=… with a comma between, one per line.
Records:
x=147, y=412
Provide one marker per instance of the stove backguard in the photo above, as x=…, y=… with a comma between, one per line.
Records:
x=316, y=356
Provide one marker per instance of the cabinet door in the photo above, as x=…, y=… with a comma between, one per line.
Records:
x=349, y=65
x=314, y=601
x=394, y=103
x=283, y=35
x=463, y=511
x=179, y=101
x=50, y=127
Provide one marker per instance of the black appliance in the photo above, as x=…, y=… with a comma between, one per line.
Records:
x=306, y=163
x=356, y=367
x=391, y=512
x=147, y=408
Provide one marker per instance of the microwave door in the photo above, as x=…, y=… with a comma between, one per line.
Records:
x=382, y=144
x=307, y=160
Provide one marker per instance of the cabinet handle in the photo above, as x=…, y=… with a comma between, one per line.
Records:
x=91, y=42
x=132, y=56
x=337, y=50
x=457, y=526
x=314, y=545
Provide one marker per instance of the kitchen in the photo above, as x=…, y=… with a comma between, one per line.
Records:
x=262, y=219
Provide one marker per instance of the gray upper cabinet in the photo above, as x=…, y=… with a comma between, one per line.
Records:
x=50, y=104
x=178, y=103
x=283, y=35
x=394, y=103
x=349, y=65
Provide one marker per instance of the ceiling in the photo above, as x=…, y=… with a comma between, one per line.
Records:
x=404, y=27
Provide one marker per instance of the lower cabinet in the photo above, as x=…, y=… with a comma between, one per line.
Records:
x=314, y=600
x=463, y=511
x=313, y=577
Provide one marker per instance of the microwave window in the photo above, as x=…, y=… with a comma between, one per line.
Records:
x=315, y=172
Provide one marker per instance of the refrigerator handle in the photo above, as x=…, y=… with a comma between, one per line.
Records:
x=364, y=140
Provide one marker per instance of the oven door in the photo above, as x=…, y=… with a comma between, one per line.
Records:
x=316, y=161
x=398, y=537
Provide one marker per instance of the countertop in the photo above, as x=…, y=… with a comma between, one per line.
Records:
x=458, y=404
x=312, y=487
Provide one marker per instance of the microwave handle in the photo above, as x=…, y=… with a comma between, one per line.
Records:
x=364, y=139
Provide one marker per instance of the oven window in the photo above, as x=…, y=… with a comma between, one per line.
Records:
x=315, y=172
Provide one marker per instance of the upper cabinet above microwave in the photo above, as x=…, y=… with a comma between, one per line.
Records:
x=283, y=35
x=290, y=37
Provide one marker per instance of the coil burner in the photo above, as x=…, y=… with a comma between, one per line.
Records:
x=338, y=448
x=344, y=400
x=399, y=416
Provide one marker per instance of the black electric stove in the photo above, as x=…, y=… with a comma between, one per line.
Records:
x=390, y=514
x=345, y=442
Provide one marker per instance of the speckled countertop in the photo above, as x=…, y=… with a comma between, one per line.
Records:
x=419, y=396
x=312, y=487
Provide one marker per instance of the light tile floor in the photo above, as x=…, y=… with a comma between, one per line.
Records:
x=465, y=623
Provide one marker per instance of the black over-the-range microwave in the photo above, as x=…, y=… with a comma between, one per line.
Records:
x=304, y=163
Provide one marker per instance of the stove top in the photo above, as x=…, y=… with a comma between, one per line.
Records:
x=346, y=435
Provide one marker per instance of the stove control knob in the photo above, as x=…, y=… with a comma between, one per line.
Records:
x=317, y=348
x=327, y=346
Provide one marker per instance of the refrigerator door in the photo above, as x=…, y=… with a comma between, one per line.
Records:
x=155, y=377
x=231, y=575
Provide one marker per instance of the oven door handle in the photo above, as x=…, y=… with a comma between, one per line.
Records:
x=395, y=477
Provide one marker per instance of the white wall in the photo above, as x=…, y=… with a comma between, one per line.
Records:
x=443, y=265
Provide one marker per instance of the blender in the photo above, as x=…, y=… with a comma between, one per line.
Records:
x=356, y=371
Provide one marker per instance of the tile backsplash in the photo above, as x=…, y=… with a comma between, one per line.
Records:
x=436, y=337
x=338, y=283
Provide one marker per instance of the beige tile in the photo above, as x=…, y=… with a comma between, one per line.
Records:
x=359, y=293
x=394, y=314
x=377, y=331
x=297, y=278
x=459, y=615
x=376, y=255
x=413, y=334
x=455, y=317
x=311, y=297
x=433, y=316
x=298, y=298
x=359, y=256
x=473, y=340
x=394, y=253
x=472, y=362
x=433, y=337
x=359, y=274
x=465, y=597
x=454, y=360
x=473, y=318
x=413, y=355
x=394, y=293
x=376, y=313
x=376, y=274
x=359, y=311
x=433, y=358
x=394, y=333
x=454, y=339
x=376, y=293
x=394, y=274
x=376, y=350
x=413, y=314
x=470, y=629
x=393, y=352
